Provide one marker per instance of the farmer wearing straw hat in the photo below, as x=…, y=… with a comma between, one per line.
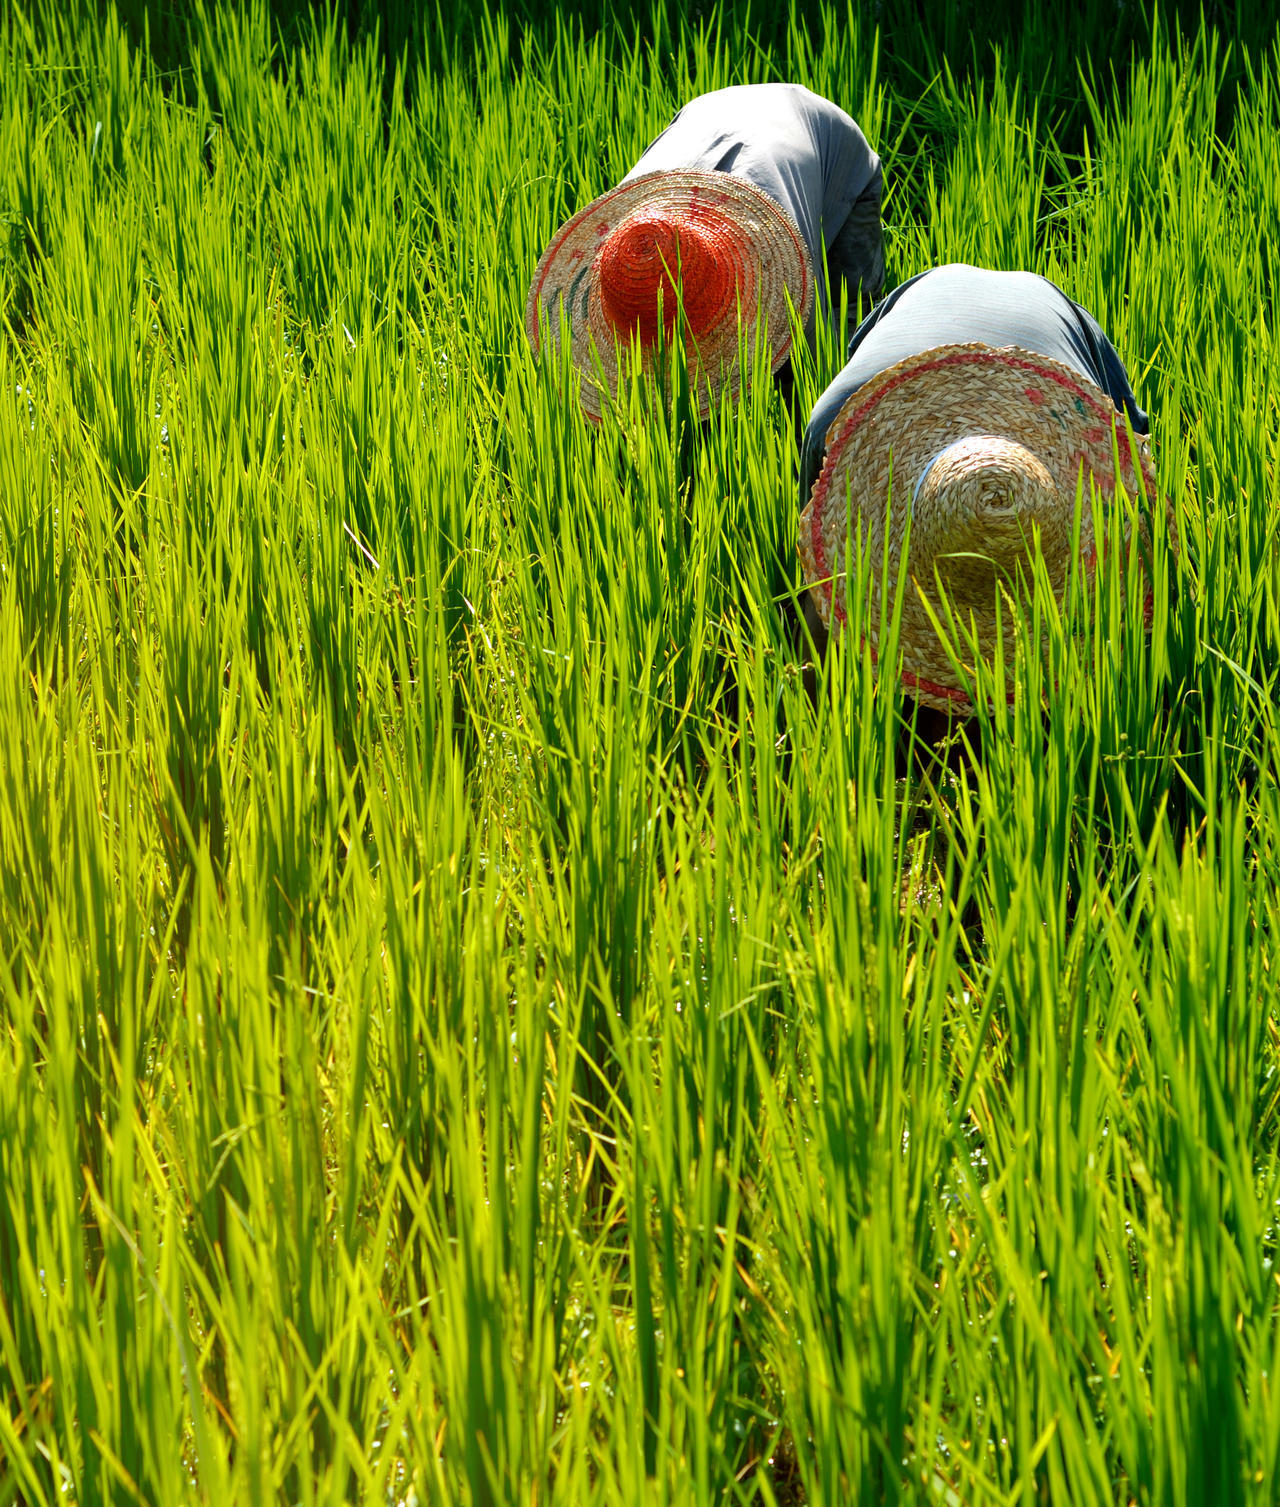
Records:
x=971, y=403
x=744, y=195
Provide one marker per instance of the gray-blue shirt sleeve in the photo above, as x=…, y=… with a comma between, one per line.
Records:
x=958, y=304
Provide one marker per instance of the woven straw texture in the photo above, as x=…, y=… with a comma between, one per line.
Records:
x=611, y=269
x=981, y=449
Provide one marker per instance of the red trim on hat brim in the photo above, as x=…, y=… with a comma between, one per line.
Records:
x=957, y=358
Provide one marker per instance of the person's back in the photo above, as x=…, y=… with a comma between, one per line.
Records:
x=807, y=154
x=951, y=448
x=956, y=305
x=729, y=214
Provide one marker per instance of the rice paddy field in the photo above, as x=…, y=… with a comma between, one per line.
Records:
x=473, y=1028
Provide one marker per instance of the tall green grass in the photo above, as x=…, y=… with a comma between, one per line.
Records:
x=473, y=1030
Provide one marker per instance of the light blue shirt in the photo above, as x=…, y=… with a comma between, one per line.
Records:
x=958, y=304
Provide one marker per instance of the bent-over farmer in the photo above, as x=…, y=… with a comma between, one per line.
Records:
x=741, y=196
x=970, y=404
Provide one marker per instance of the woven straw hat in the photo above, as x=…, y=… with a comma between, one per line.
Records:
x=982, y=449
x=613, y=268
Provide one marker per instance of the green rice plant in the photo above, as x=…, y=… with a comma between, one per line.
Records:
x=479, y=1019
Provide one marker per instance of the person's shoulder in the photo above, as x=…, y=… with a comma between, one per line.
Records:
x=944, y=278
x=742, y=104
x=819, y=107
x=1039, y=279
x=775, y=100
x=785, y=94
x=741, y=93
x=965, y=271
x=1069, y=308
x=951, y=278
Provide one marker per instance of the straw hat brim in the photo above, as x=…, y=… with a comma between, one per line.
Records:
x=881, y=444
x=767, y=249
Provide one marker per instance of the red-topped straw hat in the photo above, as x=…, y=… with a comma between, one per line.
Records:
x=982, y=449
x=614, y=266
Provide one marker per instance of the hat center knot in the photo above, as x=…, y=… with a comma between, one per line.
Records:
x=976, y=506
x=647, y=258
